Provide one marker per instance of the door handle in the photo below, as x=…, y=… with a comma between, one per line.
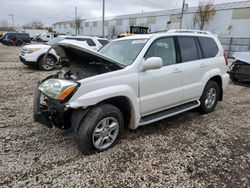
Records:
x=202, y=65
x=177, y=70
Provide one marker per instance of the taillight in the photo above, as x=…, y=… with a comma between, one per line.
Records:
x=226, y=57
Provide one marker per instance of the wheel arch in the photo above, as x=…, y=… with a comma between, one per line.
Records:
x=218, y=80
x=124, y=105
x=49, y=54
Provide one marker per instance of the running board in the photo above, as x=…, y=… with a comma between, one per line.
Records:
x=168, y=112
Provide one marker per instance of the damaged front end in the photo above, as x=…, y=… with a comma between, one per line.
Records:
x=53, y=93
x=240, y=69
x=51, y=96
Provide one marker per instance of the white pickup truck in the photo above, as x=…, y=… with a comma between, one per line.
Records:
x=130, y=82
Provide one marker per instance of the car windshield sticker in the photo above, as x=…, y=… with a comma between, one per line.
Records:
x=139, y=41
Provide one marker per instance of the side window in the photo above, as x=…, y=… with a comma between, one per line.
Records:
x=163, y=48
x=188, y=49
x=90, y=42
x=208, y=46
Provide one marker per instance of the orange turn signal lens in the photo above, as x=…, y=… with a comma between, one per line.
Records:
x=66, y=92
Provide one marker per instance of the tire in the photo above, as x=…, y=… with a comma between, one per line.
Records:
x=47, y=67
x=209, y=98
x=91, y=135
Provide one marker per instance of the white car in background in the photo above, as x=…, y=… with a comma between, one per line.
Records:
x=32, y=55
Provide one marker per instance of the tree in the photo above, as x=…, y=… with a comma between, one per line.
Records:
x=4, y=23
x=5, y=26
x=33, y=25
x=204, y=14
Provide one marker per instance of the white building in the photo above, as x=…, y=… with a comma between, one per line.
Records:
x=67, y=27
x=230, y=20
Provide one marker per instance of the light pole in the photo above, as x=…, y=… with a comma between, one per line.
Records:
x=13, y=26
x=182, y=12
x=103, y=17
x=76, y=24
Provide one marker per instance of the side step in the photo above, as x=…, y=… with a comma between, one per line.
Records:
x=168, y=112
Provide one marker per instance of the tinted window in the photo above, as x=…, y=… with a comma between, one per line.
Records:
x=188, y=49
x=103, y=42
x=208, y=46
x=22, y=36
x=163, y=48
x=9, y=36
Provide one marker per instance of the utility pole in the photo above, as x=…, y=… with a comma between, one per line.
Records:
x=13, y=26
x=76, y=18
x=182, y=12
x=103, y=17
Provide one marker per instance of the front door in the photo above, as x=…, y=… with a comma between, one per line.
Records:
x=161, y=88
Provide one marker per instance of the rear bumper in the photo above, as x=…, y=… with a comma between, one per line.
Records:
x=225, y=81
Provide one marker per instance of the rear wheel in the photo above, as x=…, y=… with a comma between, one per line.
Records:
x=209, y=98
x=100, y=129
x=48, y=64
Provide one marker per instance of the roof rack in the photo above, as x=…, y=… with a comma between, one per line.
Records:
x=189, y=31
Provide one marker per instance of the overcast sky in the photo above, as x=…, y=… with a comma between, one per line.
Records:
x=51, y=11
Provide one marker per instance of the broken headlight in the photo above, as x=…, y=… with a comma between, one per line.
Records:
x=57, y=88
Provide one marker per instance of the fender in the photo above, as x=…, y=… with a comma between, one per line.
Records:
x=208, y=75
x=94, y=97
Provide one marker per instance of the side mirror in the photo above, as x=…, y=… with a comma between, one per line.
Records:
x=152, y=63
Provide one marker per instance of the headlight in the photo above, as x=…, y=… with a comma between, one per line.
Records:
x=57, y=89
x=31, y=50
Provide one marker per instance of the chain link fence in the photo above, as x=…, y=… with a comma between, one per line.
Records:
x=232, y=45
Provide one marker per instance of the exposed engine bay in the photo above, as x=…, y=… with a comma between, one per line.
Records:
x=79, y=63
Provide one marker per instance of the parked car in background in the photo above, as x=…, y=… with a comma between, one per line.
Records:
x=34, y=32
x=48, y=36
x=130, y=82
x=32, y=55
x=15, y=39
x=240, y=68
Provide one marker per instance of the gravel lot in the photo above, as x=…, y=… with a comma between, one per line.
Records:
x=188, y=150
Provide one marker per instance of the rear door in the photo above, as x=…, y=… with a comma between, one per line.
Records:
x=209, y=50
x=193, y=66
x=162, y=88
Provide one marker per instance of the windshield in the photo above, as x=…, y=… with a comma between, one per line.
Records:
x=123, y=51
x=4, y=37
x=55, y=40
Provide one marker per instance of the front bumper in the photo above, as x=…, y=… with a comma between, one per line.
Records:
x=26, y=62
x=49, y=112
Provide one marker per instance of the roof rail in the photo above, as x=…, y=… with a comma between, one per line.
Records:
x=189, y=31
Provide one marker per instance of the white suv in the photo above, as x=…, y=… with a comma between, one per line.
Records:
x=32, y=55
x=131, y=82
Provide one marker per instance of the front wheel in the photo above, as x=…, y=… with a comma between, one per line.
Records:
x=209, y=98
x=100, y=129
x=48, y=64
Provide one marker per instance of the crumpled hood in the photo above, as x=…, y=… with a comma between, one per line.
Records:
x=242, y=56
x=69, y=49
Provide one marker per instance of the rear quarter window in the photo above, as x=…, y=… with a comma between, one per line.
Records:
x=208, y=46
